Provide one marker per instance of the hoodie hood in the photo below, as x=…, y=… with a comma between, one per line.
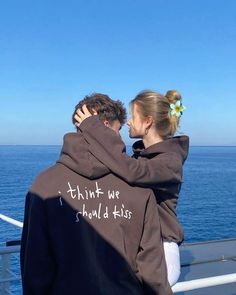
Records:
x=177, y=144
x=75, y=155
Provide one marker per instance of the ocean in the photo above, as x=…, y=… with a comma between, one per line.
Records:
x=207, y=203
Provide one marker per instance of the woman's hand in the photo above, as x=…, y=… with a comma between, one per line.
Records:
x=82, y=114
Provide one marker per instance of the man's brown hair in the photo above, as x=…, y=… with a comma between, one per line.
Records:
x=106, y=108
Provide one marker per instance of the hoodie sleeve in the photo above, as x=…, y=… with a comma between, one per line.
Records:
x=108, y=148
x=37, y=265
x=150, y=258
x=76, y=156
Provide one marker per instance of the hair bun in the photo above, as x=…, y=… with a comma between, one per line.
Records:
x=172, y=96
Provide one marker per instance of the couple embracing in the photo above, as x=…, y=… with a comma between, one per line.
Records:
x=99, y=221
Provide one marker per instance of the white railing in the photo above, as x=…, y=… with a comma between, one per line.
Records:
x=11, y=220
x=8, y=255
x=205, y=282
x=7, y=276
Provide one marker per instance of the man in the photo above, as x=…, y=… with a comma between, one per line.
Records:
x=86, y=231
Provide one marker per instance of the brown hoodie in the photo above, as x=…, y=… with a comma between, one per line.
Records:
x=84, y=236
x=158, y=167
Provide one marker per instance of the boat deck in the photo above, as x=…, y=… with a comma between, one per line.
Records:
x=207, y=259
x=198, y=260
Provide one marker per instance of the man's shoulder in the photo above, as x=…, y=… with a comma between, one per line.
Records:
x=48, y=172
x=44, y=181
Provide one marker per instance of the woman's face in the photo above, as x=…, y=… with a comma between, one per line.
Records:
x=136, y=124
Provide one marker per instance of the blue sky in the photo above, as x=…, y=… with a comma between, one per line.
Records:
x=52, y=53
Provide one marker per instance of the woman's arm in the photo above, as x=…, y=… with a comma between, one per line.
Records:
x=108, y=148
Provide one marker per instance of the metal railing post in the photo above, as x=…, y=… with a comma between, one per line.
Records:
x=4, y=288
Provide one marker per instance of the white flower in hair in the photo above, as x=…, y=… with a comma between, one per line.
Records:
x=176, y=109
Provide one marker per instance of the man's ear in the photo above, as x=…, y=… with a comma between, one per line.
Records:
x=106, y=123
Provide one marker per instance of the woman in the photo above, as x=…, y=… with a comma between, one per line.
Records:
x=157, y=161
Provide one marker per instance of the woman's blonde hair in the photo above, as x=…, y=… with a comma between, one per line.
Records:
x=150, y=103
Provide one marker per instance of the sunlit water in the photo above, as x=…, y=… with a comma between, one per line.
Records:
x=207, y=204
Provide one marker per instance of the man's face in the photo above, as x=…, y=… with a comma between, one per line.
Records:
x=115, y=125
